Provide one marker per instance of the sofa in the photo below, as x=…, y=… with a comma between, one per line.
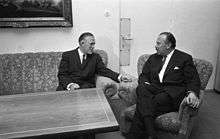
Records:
x=173, y=125
x=37, y=72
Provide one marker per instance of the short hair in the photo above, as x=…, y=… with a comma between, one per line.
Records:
x=84, y=35
x=170, y=38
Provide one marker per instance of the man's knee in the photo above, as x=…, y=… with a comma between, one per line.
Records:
x=141, y=89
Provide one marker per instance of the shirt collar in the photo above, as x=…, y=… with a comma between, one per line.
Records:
x=80, y=53
x=170, y=54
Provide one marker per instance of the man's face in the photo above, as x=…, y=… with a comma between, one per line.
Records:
x=161, y=45
x=88, y=44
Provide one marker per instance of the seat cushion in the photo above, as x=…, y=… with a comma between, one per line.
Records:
x=168, y=122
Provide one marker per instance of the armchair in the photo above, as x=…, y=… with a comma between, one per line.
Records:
x=171, y=125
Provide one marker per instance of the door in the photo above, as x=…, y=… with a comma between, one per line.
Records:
x=143, y=14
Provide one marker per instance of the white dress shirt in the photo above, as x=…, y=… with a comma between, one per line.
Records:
x=81, y=55
x=161, y=73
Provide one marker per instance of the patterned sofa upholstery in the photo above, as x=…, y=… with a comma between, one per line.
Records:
x=37, y=72
x=170, y=125
x=32, y=72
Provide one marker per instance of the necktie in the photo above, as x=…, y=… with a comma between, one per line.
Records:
x=162, y=63
x=83, y=58
x=163, y=60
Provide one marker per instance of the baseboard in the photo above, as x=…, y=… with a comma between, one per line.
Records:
x=212, y=90
x=209, y=90
x=216, y=91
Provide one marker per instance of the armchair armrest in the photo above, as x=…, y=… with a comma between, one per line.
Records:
x=185, y=112
x=191, y=111
x=184, y=115
x=127, y=92
x=111, y=87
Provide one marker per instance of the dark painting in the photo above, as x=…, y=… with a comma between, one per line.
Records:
x=27, y=13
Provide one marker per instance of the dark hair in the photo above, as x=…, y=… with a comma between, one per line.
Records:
x=84, y=35
x=170, y=38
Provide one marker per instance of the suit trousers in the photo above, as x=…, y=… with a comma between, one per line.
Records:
x=152, y=101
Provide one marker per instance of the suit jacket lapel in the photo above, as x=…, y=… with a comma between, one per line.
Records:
x=171, y=63
x=157, y=68
x=159, y=61
x=76, y=55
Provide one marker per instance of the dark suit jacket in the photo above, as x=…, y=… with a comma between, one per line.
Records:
x=180, y=75
x=72, y=71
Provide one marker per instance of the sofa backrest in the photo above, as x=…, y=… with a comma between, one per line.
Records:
x=203, y=67
x=32, y=72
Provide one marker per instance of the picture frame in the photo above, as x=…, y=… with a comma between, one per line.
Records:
x=35, y=13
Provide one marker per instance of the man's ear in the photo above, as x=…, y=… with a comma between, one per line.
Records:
x=82, y=42
x=168, y=46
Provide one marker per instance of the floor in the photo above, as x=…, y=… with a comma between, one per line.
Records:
x=207, y=125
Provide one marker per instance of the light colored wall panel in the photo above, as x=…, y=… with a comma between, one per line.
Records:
x=195, y=24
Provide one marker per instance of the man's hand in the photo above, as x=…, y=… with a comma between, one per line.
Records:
x=125, y=78
x=74, y=86
x=192, y=100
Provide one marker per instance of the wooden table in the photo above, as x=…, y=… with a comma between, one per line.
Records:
x=55, y=113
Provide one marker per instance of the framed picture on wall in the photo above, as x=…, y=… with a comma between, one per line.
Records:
x=35, y=13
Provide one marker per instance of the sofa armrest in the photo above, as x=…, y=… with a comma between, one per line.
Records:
x=127, y=92
x=109, y=87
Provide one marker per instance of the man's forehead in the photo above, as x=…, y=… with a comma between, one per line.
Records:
x=161, y=38
x=90, y=38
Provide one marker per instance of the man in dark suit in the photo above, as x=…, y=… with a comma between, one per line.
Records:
x=78, y=67
x=167, y=77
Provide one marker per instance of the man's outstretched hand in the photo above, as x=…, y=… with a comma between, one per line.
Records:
x=125, y=78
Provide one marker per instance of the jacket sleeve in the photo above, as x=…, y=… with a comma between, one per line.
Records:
x=63, y=74
x=191, y=76
x=102, y=70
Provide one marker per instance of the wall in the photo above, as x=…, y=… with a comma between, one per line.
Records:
x=97, y=16
x=195, y=24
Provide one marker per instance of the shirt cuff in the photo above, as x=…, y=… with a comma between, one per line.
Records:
x=188, y=92
x=68, y=86
x=119, y=77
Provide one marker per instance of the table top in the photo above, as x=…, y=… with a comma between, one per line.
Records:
x=48, y=113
